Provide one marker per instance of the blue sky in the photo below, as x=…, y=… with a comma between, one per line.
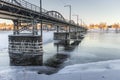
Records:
x=90, y=11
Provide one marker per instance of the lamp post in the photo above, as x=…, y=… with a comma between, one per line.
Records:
x=41, y=17
x=77, y=19
x=69, y=14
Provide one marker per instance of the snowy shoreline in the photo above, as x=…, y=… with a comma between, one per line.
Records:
x=105, y=70
x=92, y=67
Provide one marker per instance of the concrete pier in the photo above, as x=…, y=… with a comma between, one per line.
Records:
x=61, y=36
x=68, y=35
x=25, y=50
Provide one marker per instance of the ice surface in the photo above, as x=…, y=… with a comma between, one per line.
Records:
x=4, y=40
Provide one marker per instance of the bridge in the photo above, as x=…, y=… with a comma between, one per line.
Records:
x=25, y=48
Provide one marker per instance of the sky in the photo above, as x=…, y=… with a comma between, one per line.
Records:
x=90, y=11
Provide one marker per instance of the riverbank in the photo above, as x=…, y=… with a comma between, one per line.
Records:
x=106, y=70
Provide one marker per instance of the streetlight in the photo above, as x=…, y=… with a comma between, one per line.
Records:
x=69, y=14
x=40, y=16
x=77, y=18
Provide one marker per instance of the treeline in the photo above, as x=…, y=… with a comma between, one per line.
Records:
x=104, y=26
x=4, y=26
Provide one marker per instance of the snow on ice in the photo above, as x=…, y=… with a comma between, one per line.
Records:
x=107, y=70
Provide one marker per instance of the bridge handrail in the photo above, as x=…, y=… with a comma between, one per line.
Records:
x=25, y=4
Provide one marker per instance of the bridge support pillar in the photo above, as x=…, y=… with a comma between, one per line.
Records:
x=63, y=37
x=57, y=28
x=34, y=24
x=16, y=27
x=25, y=50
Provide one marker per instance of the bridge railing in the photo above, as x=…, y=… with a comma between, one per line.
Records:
x=25, y=4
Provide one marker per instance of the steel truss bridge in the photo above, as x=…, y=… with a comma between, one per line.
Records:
x=23, y=11
x=27, y=49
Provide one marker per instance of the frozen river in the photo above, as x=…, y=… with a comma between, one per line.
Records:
x=95, y=47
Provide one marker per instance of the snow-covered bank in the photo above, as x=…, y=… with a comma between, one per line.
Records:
x=88, y=67
x=107, y=70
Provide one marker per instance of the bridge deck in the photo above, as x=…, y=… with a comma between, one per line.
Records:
x=26, y=11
